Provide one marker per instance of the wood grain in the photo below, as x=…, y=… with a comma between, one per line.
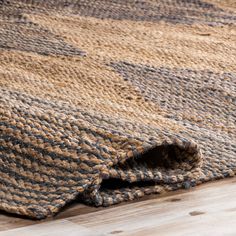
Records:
x=59, y=227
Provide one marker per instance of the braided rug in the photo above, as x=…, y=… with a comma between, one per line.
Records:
x=108, y=100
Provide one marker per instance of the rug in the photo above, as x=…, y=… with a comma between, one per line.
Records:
x=104, y=101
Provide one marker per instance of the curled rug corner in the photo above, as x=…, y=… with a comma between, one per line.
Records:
x=154, y=169
x=107, y=101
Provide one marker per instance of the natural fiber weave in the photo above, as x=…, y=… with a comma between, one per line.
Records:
x=109, y=100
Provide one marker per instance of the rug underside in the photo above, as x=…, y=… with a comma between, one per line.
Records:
x=107, y=101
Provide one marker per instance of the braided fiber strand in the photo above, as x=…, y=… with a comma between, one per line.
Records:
x=107, y=101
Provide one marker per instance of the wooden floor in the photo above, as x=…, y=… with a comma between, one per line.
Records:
x=209, y=209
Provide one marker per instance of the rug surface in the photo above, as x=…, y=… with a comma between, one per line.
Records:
x=108, y=100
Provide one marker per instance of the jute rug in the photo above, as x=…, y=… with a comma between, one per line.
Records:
x=108, y=100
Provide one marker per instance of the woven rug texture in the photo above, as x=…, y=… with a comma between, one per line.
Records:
x=104, y=101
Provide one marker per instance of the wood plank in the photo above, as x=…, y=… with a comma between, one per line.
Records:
x=55, y=228
x=11, y=221
x=210, y=210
